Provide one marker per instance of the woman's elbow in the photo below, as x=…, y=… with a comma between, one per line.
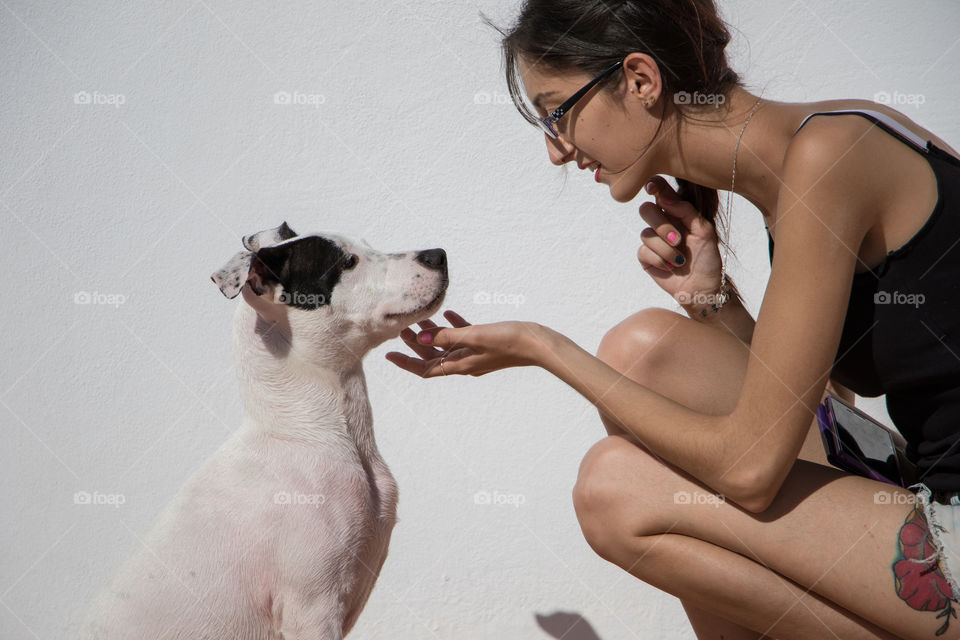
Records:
x=753, y=491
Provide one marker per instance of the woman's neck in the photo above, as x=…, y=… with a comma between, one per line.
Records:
x=701, y=150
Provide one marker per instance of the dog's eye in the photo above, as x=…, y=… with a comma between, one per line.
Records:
x=351, y=261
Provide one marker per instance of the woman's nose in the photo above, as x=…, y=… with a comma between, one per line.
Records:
x=558, y=149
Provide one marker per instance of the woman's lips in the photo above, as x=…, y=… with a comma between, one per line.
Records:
x=596, y=175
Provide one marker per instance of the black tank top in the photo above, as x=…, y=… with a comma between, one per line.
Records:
x=901, y=335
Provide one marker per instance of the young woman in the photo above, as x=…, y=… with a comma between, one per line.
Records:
x=712, y=484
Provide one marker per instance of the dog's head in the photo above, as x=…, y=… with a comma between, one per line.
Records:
x=329, y=287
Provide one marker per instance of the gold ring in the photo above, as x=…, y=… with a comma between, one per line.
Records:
x=441, y=364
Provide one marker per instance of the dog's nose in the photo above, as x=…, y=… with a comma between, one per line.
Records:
x=433, y=258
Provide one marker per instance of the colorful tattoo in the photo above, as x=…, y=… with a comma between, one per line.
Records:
x=917, y=574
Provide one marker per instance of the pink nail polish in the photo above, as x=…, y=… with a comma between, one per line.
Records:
x=425, y=338
x=672, y=237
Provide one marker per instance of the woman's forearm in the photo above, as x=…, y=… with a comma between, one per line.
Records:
x=695, y=442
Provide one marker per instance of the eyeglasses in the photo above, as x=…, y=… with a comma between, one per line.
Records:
x=546, y=123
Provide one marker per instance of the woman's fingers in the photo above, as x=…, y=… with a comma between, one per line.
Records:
x=651, y=259
x=416, y=366
x=665, y=256
x=663, y=223
x=455, y=318
x=423, y=367
x=409, y=337
x=660, y=189
x=684, y=215
x=430, y=367
x=426, y=351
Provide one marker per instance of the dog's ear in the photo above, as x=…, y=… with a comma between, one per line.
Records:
x=265, y=267
x=255, y=241
x=243, y=266
x=233, y=275
x=258, y=270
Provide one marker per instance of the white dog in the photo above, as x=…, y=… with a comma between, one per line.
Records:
x=283, y=531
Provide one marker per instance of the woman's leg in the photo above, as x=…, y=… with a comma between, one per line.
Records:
x=705, y=372
x=703, y=368
x=718, y=580
x=706, y=625
x=693, y=364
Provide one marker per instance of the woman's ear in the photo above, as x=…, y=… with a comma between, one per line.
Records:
x=643, y=78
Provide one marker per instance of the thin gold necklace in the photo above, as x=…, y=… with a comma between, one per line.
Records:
x=724, y=294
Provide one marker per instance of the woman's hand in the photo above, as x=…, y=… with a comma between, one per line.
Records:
x=469, y=349
x=695, y=239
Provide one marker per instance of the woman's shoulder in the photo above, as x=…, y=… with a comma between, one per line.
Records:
x=845, y=157
x=847, y=144
x=869, y=105
x=870, y=158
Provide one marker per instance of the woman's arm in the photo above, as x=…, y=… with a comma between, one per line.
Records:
x=747, y=454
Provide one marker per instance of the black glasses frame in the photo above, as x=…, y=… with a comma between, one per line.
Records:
x=546, y=123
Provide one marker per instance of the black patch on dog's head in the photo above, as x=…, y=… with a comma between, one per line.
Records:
x=308, y=269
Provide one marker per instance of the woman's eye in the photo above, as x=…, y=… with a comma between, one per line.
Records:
x=351, y=261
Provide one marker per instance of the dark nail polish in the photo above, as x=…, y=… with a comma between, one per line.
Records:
x=679, y=259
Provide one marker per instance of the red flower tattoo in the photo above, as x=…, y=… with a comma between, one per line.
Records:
x=919, y=582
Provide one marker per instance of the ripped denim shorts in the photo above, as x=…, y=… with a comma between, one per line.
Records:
x=929, y=559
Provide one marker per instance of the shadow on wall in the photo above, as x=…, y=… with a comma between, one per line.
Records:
x=569, y=626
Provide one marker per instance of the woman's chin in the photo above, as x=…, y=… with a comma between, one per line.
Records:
x=622, y=193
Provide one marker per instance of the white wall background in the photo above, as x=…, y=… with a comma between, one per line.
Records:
x=143, y=200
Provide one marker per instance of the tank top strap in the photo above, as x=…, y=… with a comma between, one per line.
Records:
x=884, y=121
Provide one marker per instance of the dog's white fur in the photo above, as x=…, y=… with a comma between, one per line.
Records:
x=283, y=531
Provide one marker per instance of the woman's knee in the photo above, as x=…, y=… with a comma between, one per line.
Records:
x=631, y=345
x=607, y=479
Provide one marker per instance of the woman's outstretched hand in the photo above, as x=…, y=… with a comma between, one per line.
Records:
x=469, y=349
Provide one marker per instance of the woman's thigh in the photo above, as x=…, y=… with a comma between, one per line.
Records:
x=834, y=533
x=696, y=365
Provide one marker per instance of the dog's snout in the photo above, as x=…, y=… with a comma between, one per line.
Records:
x=433, y=258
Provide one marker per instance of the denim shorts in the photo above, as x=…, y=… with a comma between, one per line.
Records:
x=942, y=511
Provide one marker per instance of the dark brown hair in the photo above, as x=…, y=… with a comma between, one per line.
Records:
x=686, y=38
